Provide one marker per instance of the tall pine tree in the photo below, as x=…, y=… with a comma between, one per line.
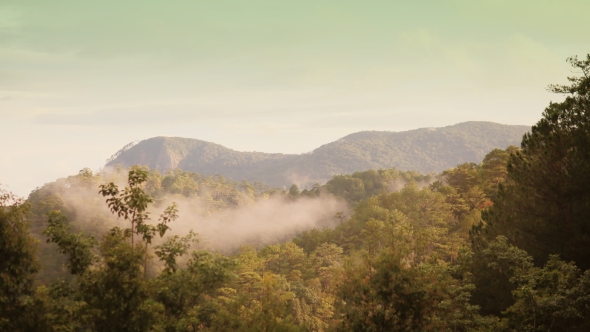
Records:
x=544, y=206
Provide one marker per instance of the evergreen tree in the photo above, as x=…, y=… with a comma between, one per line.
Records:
x=544, y=208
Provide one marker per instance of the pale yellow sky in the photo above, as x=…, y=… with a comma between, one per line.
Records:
x=80, y=79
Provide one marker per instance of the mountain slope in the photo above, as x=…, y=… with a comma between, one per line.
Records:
x=425, y=150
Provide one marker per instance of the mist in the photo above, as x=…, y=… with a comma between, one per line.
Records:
x=258, y=222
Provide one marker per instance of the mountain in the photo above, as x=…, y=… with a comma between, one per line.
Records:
x=424, y=150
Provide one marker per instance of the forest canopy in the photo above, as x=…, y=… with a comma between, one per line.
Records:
x=501, y=245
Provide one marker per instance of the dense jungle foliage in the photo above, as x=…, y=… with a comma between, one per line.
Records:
x=498, y=246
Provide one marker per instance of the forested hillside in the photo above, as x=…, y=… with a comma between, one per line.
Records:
x=497, y=245
x=213, y=206
x=423, y=150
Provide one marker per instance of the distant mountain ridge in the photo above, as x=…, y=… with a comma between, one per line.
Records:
x=424, y=150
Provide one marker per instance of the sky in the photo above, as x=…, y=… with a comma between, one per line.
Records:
x=81, y=79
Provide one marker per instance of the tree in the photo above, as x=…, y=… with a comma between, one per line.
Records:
x=115, y=292
x=493, y=170
x=390, y=295
x=17, y=266
x=294, y=191
x=131, y=203
x=552, y=298
x=78, y=247
x=544, y=207
x=260, y=303
x=185, y=293
x=112, y=292
x=463, y=177
x=549, y=298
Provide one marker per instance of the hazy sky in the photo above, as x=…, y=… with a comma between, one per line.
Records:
x=80, y=79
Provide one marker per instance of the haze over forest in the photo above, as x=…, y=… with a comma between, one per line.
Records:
x=424, y=150
x=496, y=245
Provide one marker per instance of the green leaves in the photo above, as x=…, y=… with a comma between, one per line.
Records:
x=390, y=295
x=17, y=266
x=555, y=297
x=544, y=206
x=132, y=202
x=580, y=84
x=173, y=248
x=184, y=293
x=169, y=215
x=116, y=292
x=78, y=247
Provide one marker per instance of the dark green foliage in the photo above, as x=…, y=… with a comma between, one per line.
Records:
x=294, y=190
x=493, y=170
x=116, y=292
x=394, y=279
x=423, y=206
x=112, y=292
x=396, y=297
x=401, y=261
x=78, y=247
x=172, y=249
x=131, y=203
x=77, y=199
x=492, y=269
x=392, y=299
x=362, y=185
x=463, y=177
x=17, y=266
x=61, y=307
x=310, y=240
x=184, y=293
x=552, y=298
x=544, y=206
